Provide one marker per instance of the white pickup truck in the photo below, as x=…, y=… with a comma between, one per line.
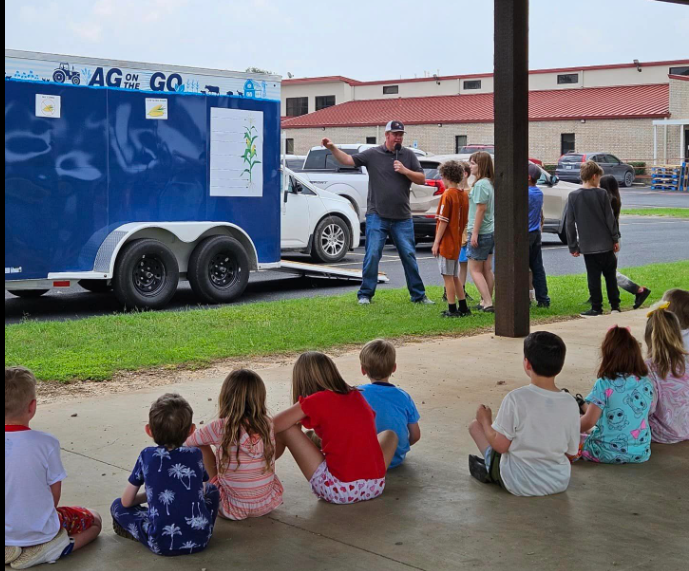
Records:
x=323, y=171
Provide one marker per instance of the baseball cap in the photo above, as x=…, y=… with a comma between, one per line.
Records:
x=534, y=171
x=394, y=126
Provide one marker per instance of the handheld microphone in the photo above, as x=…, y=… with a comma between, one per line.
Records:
x=398, y=147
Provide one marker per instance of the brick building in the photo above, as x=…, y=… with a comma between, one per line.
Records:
x=595, y=108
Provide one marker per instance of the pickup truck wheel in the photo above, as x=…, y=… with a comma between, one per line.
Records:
x=331, y=240
x=219, y=269
x=146, y=275
x=96, y=286
x=563, y=237
x=28, y=293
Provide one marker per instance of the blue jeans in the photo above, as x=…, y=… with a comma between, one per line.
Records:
x=540, y=284
x=402, y=233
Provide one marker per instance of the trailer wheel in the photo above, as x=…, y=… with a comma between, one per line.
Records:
x=331, y=241
x=96, y=286
x=146, y=275
x=218, y=269
x=28, y=293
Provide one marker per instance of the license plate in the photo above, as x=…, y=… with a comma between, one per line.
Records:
x=569, y=167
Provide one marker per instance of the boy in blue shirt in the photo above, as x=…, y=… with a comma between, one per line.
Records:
x=395, y=410
x=181, y=508
x=535, y=245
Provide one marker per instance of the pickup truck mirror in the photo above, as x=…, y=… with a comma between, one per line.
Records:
x=297, y=188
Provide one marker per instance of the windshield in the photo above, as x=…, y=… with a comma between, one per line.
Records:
x=322, y=159
x=571, y=158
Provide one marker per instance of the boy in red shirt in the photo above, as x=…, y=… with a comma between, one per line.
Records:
x=452, y=220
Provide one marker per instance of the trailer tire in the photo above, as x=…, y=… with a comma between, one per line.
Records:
x=331, y=240
x=28, y=293
x=96, y=286
x=146, y=275
x=219, y=269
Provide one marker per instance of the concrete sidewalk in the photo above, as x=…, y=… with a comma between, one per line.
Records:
x=433, y=515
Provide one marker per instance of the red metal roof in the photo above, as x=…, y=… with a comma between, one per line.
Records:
x=324, y=79
x=624, y=102
x=680, y=77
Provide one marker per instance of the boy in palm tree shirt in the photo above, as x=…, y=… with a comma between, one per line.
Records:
x=181, y=509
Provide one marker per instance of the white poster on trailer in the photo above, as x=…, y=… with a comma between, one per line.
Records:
x=236, y=151
x=49, y=106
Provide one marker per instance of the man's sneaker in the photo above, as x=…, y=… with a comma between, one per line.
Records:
x=544, y=304
x=364, y=301
x=425, y=301
x=12, y=554
x=478, y=470
x=615, y=310
x=45, y=553
x=641, y=297
x=591, y=313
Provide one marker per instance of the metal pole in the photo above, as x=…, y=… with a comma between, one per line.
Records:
x=511, y=102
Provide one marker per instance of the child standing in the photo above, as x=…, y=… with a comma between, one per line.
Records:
x=351, y=464
x=619, y=404
x=36, y=530
x=464, y=188
x=679, y=305
x=525, y=450
x=181, y=509
x=668, y=367
x=536, y=266
x=480, y=228
x=452, y=221
x=395, y=409
x=244, y=469
x=593, y=231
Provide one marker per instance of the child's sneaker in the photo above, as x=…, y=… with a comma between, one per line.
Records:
x=641, y=297
x=478, y=470
x=591, y=313
x=45, y=553
x=12, y=554
x=119, y=530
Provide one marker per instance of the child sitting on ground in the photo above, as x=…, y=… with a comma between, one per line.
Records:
x=244, y=469
x=668, y=368
x=36, y=530
x=452, y=218
x=395, y=410
x=619, y=404
x=526, y=449
x=181, y=509
x=679, y=305
x=351, y=464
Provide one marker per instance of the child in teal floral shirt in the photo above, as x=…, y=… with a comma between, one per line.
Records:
x=619, y=404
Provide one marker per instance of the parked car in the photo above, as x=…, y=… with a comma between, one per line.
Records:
x=293, y=162
x=322, y=170
x=569, y=164
x=555, y=193
x=316, y=222
x=467, y=150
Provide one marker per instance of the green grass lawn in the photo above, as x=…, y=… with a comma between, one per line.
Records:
x=97, y=348
x=667, y=212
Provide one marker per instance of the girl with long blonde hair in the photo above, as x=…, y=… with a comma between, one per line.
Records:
x=352, y=461
x=668, y=366
x=243, y=465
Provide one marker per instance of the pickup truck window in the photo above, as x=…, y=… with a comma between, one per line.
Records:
x=322, y=159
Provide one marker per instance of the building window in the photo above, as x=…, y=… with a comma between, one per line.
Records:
x=682, y=70
x=460, y=141
x=566, y=143
x=324, y=101
x=475, y=84
x=370, y=140
x=565, y=78
x=297, y=106
x=391, y=89
x=289, y=146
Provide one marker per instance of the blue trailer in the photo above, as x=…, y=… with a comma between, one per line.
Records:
x=138, y=176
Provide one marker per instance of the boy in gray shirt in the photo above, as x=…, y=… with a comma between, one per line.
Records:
x=593, y=231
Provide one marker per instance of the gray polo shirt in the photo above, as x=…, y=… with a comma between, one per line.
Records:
x=388, y=192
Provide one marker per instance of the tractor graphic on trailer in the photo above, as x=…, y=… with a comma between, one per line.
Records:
x=64, y=73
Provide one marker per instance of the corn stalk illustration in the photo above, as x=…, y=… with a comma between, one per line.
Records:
x=250, y=152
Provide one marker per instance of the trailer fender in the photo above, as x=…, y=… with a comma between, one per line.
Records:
x=180, y=237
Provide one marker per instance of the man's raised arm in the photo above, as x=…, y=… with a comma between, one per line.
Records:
x=340, y=156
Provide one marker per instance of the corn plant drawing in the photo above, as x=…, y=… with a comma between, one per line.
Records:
x=249, y=156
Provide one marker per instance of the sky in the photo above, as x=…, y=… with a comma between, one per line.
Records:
x=362, y=39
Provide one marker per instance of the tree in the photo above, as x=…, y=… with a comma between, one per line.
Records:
x=259, y=70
